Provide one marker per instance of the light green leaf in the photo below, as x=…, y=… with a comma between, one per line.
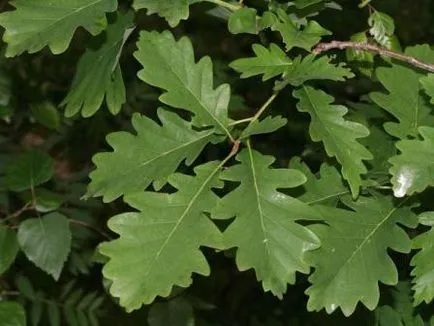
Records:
x=172, y=10
x=38, y=23
x=265, y=126
x=427, y=83
x=170, y=65
x=29, y=170
x=382, y=26
x=422, y=262
x=46, y=114
x=324, y=189
x=8, y=248
x=177, y=312
x=46, y=242
x=267, y=62
x=313, y=68
x=413, y=169
x=99, y=74
x=404, y=100
x=171, y=227
x=273, y=62
x=293, y=36
x=243, y=21
x=353, y=256
x=275, y=244
x=338, y=135
x=366, y=58
x=151, y=155
x=12, y=314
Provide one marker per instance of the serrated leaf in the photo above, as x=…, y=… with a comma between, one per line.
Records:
x=412, y=169
x=382, y=26
x=312, y=68
x=99, y=74
x=38, y=23
x=422, y=262
x=404, y=99
x=338, y=135
x=171, y=227
x=8, y=248
x=403, y=304
x=177, y=312
x=294, y=36
x=46, y=242
x=170, y=65
x=275, y=244
x=265, y=126
x=12, y=314
x=353, y=256
x=151, y=155
x=172, y=10
x=29, y=170
x=273, y=62
x=324, y=189
x=267, y=62
x=243, y=21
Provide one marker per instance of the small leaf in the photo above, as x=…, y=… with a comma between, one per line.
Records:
x=347, y=255
x=170, y=65
x=99, y=74
x=412, y=169
x=265, y=126
x=404, y=99
x=293, y=36
x=386, y=316
x=44, y=200
x=275, y=243
x=338, y=135
x=12, y=314
x=46, y=242
x=365, y=58
x=243, y=21
x=53, y=314
x=171, y=227
x=36, y=311
x=38, y=23
x=177, y=312
x=151, y=155
x=29, y=170
x=382, y=26
x=25, y=287
x=46, y=114
x=172, y=10
x=8, y=248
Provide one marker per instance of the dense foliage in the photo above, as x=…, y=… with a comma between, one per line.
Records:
x=211, y=163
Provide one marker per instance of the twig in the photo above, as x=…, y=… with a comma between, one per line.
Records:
x=87, y=225
x=27, y=207
x=323, y=47
x=230, y=6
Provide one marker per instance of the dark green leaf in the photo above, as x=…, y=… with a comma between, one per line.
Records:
x=8, y=248
x=177, y=312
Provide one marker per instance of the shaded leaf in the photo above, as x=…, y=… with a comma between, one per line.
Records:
x=12, y=314
x=243, y=21
x=171, y=227
x=46, y=114
x=170, y=65
x=99, y=74
x=355, y=247
x=275, y=244
x=38, y=23
x=29, y=170
x=151, y=155
x=338, y=135
x=177, y=312
x=46, y=242
x=412, y=169
x=8, y=248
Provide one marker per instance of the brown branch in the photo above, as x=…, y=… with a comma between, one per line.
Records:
x=87, y=225
x=323, y=47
